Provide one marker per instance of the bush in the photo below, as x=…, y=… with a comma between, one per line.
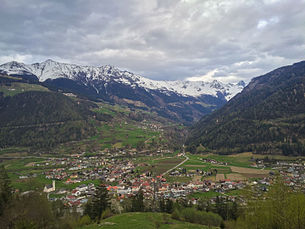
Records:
x=85, y=220
x=194, y=216
x=280, y=208
x=106, y=214
x=166, y=218
x=176, y=215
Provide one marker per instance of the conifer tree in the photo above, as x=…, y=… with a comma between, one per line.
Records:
x=169, y=206
x=162, y=205
x=138, y=202
x=5, y=189
x=99, y=203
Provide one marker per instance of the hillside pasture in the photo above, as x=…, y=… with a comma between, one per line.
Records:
x=144, y=220
x=17, y=88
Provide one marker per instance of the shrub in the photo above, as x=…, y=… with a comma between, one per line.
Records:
x=176, y=215
x=106, y=214
x=194, y=216
x=85, y=220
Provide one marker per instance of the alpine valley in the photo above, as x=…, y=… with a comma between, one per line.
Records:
x=182, y=101
x=86, y=147
x=156, y=114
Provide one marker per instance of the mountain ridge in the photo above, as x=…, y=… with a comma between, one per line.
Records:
x=50, y=69
x=266, y=117
x=180, y=101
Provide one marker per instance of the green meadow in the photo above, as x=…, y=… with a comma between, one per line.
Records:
x=143, y=220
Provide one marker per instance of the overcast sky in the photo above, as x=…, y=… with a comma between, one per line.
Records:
x=228, y=40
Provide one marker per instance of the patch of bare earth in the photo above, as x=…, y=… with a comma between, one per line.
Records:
x=248, y=170
x=31, y=164
x=220, y=177
x=236, y=177
x=211, y=178
x=196, y=178
x=251, y=175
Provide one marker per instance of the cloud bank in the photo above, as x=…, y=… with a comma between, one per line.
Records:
x=228, y=40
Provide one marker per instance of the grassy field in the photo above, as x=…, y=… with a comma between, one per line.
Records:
x=120, y=134
x=17, y=88
x=160, y=166
x=205, y=194
x=20, y=164
x=182, y=179
x=112, y=110
x=143, y=220
x=15, y=151
x=116, y=134
x=238, y=166
x=240, y=161
x=237, y=192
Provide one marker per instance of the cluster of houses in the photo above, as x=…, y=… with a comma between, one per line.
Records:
x=79, y=196
x=152, y=126
x=293, y=173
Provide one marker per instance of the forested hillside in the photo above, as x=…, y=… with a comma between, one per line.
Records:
x=43, y=119
x=268, y=116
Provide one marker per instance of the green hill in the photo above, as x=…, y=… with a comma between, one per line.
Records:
x=147, y=220
x=268, y=116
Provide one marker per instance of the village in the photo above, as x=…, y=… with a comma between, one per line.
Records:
x=121, y=173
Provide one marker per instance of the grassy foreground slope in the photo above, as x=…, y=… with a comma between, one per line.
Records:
x=142, y=220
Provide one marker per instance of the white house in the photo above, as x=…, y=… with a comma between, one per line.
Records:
x=49, y=188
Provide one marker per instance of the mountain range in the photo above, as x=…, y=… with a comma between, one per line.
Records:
x=268, y=117
x=183, y=101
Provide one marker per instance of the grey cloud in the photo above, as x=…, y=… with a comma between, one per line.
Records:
x=160, y=39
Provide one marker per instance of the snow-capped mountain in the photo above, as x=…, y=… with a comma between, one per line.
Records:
x=184, y=101
x=50, y=69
